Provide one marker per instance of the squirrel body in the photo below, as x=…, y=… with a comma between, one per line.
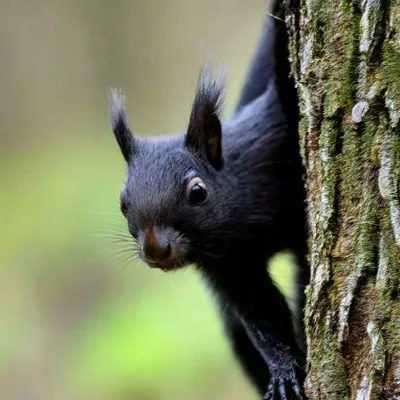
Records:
x=226, y=197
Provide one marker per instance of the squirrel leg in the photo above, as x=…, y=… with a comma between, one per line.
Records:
x=247, y=354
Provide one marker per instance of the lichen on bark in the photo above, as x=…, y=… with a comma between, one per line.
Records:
x=345, y=58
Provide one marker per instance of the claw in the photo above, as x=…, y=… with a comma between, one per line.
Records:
x=270, y=395
x=282, y=390
x=285, y=385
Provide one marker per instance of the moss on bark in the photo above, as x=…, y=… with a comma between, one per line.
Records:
x=346, y=61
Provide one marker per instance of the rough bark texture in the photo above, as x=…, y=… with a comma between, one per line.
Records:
x=346, y=61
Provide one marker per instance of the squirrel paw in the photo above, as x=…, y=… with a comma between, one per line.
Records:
x=286, y=384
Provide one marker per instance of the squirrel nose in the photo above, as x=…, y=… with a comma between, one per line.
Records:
x=154, y=248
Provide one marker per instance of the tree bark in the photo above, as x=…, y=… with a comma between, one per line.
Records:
x=346, y=61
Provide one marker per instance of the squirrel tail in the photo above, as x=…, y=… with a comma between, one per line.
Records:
x=270, y=67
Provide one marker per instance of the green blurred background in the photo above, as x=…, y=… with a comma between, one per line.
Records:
x=78, y=320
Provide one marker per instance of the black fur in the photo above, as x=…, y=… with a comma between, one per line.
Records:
x=120, y=126
x=204, y=134
x=255, y=207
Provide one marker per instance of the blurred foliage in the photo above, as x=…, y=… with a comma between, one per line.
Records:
x=79, y=321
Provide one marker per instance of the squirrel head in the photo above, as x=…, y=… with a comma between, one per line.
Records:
x=171, y=195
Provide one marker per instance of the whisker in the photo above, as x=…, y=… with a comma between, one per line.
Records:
x=120, y=258
x=118, y=247
x=112, y=244
x=114, y=238
x=127, y=251
x=116, y=230
x=124, y=262
x=111, y=235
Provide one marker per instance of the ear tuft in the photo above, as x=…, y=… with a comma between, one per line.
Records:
x=204, y=134
x=120, y=125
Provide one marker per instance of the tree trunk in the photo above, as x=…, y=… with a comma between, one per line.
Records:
x=346, y=62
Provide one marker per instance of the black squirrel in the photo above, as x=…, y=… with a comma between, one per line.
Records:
x=226, y=197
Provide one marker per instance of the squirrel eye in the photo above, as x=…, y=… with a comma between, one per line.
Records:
x=196, y=191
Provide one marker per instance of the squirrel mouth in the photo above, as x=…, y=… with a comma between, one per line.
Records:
x=164, y=265
x=161, y=265
x=168, y=264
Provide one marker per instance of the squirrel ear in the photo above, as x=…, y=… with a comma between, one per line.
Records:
x=204, y=134
x=120, y=126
